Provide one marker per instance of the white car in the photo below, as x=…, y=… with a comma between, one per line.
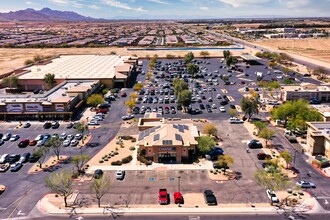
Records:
x=93, y=122
x=222, y=109
x=305, y=184
x=279, y=77
x=272, y=196
x=15, y=137
x=120, y=174
x=214, y=106
x=70, y=137
x=235, y=120
x=66, y=143
x=63, y=136
x=78, y=136
x=74, y=143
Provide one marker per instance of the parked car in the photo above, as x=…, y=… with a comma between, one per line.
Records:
x=74, y=143
x=178, y=199
x=13, y=138
x=272, y=196
x=93, y=122
x=39, y=137
x=24, y=158
x=70, y=125
x=1, y=142
x=70, y=137
x=4, y=167
x=32, y=142
x=120, y=174
x=234, y=120
x=210, y=198
x=222, y=109
x=4, y=158
x=47, y=125
x=98, y=174
x=66, y=143
x=23, y=143
x=33, y=159
x=263, y=156
x=163, y=197
x=55, y=125
x=305, y=184
x=6, y=137
x=27, y=125
x=16, y=167
x=254, y=144
x=78, y=136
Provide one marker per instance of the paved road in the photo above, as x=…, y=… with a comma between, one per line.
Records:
x=195, y=217
x=245, y=43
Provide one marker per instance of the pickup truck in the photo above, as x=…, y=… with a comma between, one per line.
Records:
x=162, y=197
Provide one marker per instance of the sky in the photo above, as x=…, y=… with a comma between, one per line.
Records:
x=178, y=9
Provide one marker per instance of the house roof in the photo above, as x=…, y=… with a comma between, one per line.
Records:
x=169, y=135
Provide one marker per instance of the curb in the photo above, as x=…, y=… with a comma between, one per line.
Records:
x=320, y=171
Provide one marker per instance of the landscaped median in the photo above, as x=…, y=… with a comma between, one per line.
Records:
x=194, y=203
x=49, y=164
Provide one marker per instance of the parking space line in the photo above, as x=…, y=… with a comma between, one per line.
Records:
x=224, y=90
x=231, y=98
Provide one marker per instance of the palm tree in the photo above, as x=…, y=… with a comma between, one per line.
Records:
x=50, y=80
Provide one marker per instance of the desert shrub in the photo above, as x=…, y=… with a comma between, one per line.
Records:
x=132, y=148
x=116, y=163
x=133, y=140
x=127, y=159
x=149, y=162
x=101, y=161
x=115, y=153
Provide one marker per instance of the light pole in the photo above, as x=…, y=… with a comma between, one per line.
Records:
x=179, y=178
x=294, y=157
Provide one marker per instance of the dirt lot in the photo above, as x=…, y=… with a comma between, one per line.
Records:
x=318, y=49
x=11, y=59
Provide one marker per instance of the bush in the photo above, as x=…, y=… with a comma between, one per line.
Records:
x=127, y=159
x=132, y=148
x=115, y=153
x=101, y=161
x=126, y=137
x=116, y=163
x=133, y=140
x=149, y=162
x=28, y=62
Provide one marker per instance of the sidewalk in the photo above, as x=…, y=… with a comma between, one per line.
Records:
x=310, y=205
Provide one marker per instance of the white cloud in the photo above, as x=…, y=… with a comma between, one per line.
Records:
x=159, y=2
x=118, y=4
x=204, y=8
x=94, y=7
x=240, y=3
x=72, y=3
x=28, y=3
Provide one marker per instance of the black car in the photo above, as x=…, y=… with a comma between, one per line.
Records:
x=98, y=174
x=210, y=198
x=201, y=106
x=26, y=125
x=33, y=159
x=47, y=125
x=179, y=107
x=55, y=125
x=254, y=144
x=232, y=106
x=224, y=102
x=70, y=125
x=136, y=110
x=13, y=158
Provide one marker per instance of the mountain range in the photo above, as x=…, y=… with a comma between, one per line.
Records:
x=45, y=14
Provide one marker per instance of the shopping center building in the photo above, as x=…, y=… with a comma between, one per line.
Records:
x=110, y=70
x=61, y=103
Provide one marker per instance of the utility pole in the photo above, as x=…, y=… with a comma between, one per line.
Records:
x=179, y=178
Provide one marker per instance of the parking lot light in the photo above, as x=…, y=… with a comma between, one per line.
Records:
x=179, y=178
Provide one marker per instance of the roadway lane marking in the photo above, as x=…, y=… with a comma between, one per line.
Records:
x=194, y=217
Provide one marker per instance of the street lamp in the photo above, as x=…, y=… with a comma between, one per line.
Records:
x=179, y=178
x=294, y=157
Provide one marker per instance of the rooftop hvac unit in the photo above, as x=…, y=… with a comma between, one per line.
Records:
x=326, y=131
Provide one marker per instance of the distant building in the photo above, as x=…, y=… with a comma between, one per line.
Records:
x=110, y=70
x=306, y=91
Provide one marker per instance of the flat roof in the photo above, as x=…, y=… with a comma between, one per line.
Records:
x=78, y=67
x=56, y=95
x=320, y=125
x=249, y=57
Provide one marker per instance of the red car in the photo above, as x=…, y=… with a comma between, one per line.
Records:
x=178, y=199
x=162, y=197
x=263, y=156
x=123, y=94
x=101, y=110
x=32, y=142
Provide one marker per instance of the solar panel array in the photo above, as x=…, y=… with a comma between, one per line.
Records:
x=147, y=132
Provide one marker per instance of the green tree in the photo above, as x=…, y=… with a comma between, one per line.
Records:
x=149, y=75
x=79, y=161
x=210, y=129
x=55, y=144
x=28, y=62
x=226, y=54
x=205, y=143
x=232, y=112
x=224, y=162
x=50, y=80
x=231, y=60
x=10, y=81
x=95, y=100
x=287, y=81
x=272, y=181
x=41, y=153
x=260, y=125
x=266, y=134
x=192, y=69
x=184, y=98
x=287, y=157
x=179, y=86
x=138, y=87
x=188, y=57
x=204, y=54
x=61, y=183
x=250, y=106
x=100, y=187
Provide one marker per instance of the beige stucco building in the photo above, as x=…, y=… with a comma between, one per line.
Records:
x=318, y=138
x=169, y=142
x=306, y=91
